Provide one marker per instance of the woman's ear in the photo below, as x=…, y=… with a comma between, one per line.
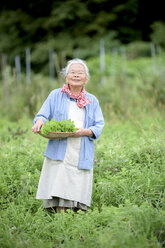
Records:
x=86, y=81
x=66, y=79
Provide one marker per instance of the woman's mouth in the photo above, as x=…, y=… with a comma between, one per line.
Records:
x=76, y=80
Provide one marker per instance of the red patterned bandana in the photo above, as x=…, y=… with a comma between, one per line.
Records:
x=82, y=101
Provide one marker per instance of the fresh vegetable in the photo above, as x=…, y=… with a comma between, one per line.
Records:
x=58, y=126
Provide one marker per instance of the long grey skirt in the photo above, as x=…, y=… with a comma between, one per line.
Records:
x=59, y=202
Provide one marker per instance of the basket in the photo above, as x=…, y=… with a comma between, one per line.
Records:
x=57, y=135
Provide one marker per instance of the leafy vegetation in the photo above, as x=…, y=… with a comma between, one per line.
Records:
x=58, y=126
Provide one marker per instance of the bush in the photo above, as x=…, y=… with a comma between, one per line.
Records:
x=138, y=49
x=158, y=34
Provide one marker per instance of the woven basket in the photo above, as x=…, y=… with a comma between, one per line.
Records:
x=57, y=135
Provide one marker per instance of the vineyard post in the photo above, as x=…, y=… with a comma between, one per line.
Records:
x=57, y=66
x=18, y=69
x=28, y=66
x=76, y=53
x=153, y=58
x=102, y=60
x=63, y=59
x=160, y=62
x=4, y=77
x=51, y=64
x=113, y=66
x=123, y=80
x=16, y=94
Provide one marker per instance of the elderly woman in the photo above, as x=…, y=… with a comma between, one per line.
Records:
x=67, y=173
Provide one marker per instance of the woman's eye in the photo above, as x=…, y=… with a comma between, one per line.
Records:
x=76, y=73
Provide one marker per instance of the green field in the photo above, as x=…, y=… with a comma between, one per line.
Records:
x=128, y=201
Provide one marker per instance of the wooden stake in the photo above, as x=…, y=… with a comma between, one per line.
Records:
x=57, y=65
x=16, y=94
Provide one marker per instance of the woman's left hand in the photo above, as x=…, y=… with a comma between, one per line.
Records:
x=83, y=132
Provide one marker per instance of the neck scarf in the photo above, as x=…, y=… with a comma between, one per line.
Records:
x=82, y=101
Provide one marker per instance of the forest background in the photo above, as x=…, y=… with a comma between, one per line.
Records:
x=75, y=27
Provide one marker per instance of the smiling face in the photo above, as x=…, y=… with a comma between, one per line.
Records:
x=76, y=76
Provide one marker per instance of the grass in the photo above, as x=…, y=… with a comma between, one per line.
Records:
x=128, y=202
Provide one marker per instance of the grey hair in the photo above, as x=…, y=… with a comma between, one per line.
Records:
x=75, y=61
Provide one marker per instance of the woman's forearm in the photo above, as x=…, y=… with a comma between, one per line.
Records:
x=84, y=132
x=89, y=133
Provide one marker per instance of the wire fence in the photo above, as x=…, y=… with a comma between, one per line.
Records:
x=55, y=64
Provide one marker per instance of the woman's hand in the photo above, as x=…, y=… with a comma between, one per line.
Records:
x=36, y=128
x=84, y=132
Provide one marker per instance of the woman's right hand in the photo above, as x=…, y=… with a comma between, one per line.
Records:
x=36, y=128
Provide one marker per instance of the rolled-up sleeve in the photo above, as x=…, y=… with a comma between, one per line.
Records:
x=98, y=123
x=45, y=111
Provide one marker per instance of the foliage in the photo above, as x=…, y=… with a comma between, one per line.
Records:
x=131, y=164
x=138, y=49
x=158, y=36
x=24, y=99
x=56, y=25
x=58, y=126
x=59, y=27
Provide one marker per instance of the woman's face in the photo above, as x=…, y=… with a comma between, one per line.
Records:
x=76, y=75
